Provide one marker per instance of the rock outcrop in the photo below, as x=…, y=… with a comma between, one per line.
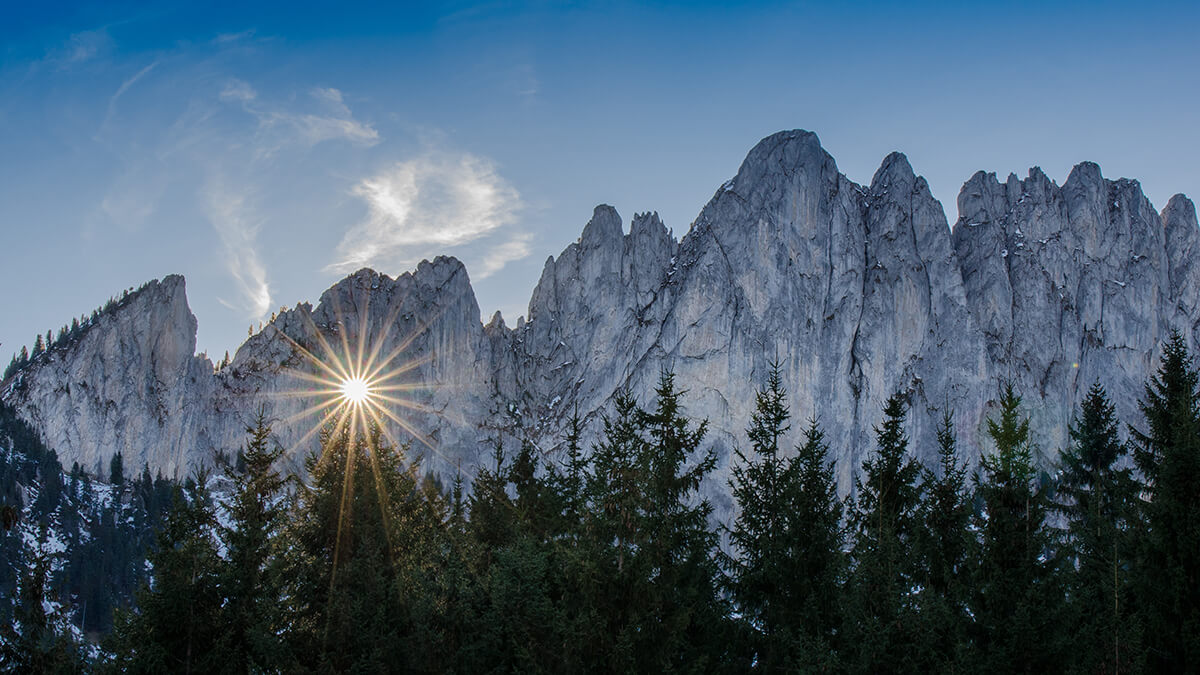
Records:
x=857, y=291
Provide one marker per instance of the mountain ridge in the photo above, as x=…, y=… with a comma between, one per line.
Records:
x=858, y=290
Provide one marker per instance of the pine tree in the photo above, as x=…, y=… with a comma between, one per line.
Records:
x=176, y=626
x=573, y=475
x=760, y=573
x=945, y=547
x=676, y=556
x=611, y=593
x=1017, y=626
x=787, y=538
x=1167, y=454
x=452, y=621
x=250, y=579
x=521, y=568
x=652, y=586
x=116, y=470
x=40, y=638
x=359, y=538
x=1097, y=497
x=882, y=619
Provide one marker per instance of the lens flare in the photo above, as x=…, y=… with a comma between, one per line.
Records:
x=362, y=387
x=357, y=374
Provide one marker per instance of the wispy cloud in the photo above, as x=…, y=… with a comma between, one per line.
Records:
x=426, y=205
x=228, y=212
x=332, y=119
x=134, y=195
x=226, y=38
x=80, y=47
x=496, y=258
x=125, y=86
x=525, y=81
x=237, y=91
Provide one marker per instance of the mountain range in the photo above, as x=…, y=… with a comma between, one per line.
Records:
x=857, y=291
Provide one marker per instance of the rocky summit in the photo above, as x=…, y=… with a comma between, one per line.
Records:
x=857, y=290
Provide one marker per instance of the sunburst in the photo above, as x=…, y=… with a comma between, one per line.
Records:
x=357, y=390
x=353, y=386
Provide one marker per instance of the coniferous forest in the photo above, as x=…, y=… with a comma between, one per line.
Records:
x=606, y=559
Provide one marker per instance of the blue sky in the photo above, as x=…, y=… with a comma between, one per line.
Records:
x=265, y=152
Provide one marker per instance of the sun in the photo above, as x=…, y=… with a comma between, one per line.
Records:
x=356, y=390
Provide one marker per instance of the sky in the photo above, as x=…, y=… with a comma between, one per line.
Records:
x=264, y=152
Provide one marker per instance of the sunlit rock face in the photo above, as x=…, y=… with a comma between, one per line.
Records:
x=131, y=383
x=857, y=290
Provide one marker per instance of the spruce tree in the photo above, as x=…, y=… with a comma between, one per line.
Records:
x=40, y=638
x=787, y=540
x=522, y=574
x=175, y=627
x=1097, y=496
x=358, y=541
x=945, y=548
x=1167, y=455
x=572, y=475
x=1016, y=590
x=451, y=620
x=760, y=574
x=250, y=580
x=687, y=626
x=652, y=588
x=882, y=620
x=116, y=470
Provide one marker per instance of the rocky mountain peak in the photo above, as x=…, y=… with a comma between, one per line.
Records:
x=1180, y=212
x=603, y=229
x=894, y=171
x=858, y=291
x=1084, y=176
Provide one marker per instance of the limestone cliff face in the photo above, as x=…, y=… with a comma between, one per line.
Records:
x=130, y=383
x=1075, y=284
x=857, y=290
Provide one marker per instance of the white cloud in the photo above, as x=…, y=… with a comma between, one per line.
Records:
x=81, y=47
x=279, y=127
x=125, y=86
x=425, y=205
x=132, y=199
x=225, y=38
x=496, y=258
x=129, y=83
x=237, y=91
x=227, y=211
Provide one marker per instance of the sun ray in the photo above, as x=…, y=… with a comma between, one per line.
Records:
x=382, y=497
x=422, y=326
x=338, y=426
x=382, y=338
x=413, y=432
x=343, y=514
x=313, y=409
x=411, y=405
x=359, y=379
x=402, y=369
x=408, y=386
x=363, y=315
x=317, y=379
x=320, y=363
